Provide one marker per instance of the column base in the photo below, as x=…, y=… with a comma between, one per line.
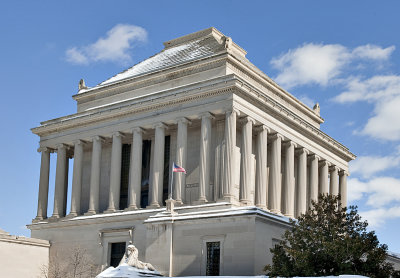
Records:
x=90, y=212
x=178, y=203
x=153, y=206
x=38, y=219
x=229, y=199
x=71, y=215
x=54, y=218
x=263, y=207
x=130, y=208
x=276, y=211
x=110, y=210
x=246, y=202
x=200, y=202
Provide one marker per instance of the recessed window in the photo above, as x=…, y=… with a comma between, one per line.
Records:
x=213, y=258
x=117, y=252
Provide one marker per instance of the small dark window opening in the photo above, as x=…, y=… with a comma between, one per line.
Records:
x=117, y=252
x=213, y=258
x=125, y=163
x=144, y=194
x=166, y=167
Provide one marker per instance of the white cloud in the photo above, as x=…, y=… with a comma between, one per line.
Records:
x=367, y=166
x=384, y=92
x=378, y=217
x=373, y=52
x=322, y=64
x=114, y=47
x=379, y=192
x=310, y=64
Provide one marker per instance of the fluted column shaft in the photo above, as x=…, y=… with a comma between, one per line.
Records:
x=288, y=184
x=261, y=190
x=77, y=179
x=230, y=144
x=61, y=185
x=313, y=179
x=43, y=184
x=135, y=175
x=158, y=166
x=94, y=193
x=302, y=182
x=334, y=183
x=323, y=179
x=246, y=159
x=181, y=151
x=204, y=165
x=115, y=172
x=275, y=186
x=343, y=187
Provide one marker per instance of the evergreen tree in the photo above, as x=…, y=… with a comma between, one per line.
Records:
x=329, y=240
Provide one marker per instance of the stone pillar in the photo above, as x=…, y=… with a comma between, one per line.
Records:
x=323, y=179
x=61, y=185
x=204, y=164
x=115, y=173
x=43, y=184
x=135, y=174
x=343, y=187
x=313, y=179
x=334, y=183
x=230, y=144
x=275, y=186
x=77, y=179
x=302, y=182
x=261, y=190
x=288, y=180
x=181, y=151
x=158, y=165
x=246, y=160
x=94, y=193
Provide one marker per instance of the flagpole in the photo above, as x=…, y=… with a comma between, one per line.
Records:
x=172, y=181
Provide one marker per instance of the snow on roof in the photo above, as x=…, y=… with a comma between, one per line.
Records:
x=169, y=57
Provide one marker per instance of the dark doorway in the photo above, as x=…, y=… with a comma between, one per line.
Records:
x=125, y=163
x=213, y=258
x=117, y=252
x=146, y=152
x=166, y=168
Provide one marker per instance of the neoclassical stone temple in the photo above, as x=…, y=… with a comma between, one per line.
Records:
x=254, y=154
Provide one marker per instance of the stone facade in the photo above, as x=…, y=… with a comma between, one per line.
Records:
x=254, y=156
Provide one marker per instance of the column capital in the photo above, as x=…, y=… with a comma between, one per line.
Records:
x=138, y=129
x=62, y=146
x=313, y=155
x=333, y=168
x=232, y=110
x=289, y=143
x=247, y=119
x=343, y=172
x=323, y=162
x=78, y=142
x=183, y=120
x=118, y=134
x=160, y=125
x=97, y=138
x=45, y=149
x=301, y=150
x=260, y=128
x=275, y=136
x=206, y=115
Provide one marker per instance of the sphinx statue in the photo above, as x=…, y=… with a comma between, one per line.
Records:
x=131, y=258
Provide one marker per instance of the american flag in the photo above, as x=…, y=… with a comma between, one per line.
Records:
x=178, y=169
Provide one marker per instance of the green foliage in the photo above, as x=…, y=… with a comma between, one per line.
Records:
x=329, y=240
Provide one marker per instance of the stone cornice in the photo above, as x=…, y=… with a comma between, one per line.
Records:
x=24, y=240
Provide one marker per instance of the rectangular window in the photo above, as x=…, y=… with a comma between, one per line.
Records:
x=146, y=153
x=117, y=252
x=125, y=164
x=213, y=258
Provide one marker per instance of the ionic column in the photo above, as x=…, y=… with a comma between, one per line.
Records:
x=77, y=179
x=343, y=187
x=261, y=190
x=158, y=165
x=204, y=165
x=230, y=144
x=135, y=181
x=313, y=179
x=288, y=180
x=94, y=193
x=246, y=157
x=43, y=184
x=275, y=186
x=323, y=179
x=115, y=173
x=334, y=183
x=61, y=185
x=181, y=151
x=302, y=182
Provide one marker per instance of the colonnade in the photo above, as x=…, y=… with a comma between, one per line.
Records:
x=279, y=187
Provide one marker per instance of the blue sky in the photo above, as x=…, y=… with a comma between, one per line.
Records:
x=343, y=54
